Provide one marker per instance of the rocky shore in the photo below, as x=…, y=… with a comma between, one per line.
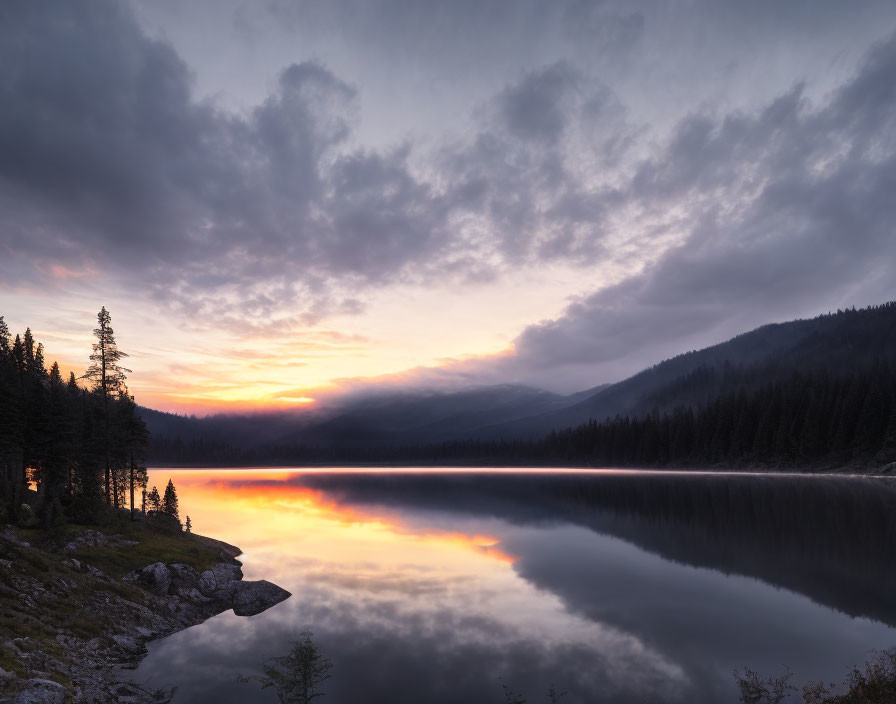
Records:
x=68, y=627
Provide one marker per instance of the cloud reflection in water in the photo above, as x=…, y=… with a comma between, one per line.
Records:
x=433, y=599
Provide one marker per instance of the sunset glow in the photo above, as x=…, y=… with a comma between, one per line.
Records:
x=265, y=506
x=298, y=214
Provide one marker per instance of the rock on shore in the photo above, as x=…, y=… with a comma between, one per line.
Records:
x=124, y=614
x=193, y=596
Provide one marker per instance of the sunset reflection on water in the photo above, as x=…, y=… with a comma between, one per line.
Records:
x=261, y=510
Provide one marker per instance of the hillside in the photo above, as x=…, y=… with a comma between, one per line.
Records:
x=838, y=342
x=390, y=419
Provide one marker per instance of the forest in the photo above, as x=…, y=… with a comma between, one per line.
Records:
x=70, y=449
x=812, y=419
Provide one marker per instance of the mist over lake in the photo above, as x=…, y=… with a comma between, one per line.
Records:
x=615, y=586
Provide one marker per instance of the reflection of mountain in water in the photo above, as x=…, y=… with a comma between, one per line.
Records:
x=828, y=538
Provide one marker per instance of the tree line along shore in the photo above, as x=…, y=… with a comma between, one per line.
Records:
x=79, y=442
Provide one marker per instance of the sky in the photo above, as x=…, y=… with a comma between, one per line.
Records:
x=288, y=200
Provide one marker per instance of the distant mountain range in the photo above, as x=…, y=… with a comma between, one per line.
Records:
x=840, y=343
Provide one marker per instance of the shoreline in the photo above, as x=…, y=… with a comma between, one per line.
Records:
x=884, y=471
x=77, y=627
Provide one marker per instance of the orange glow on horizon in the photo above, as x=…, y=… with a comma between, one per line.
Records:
x=204, y=365
x=187, y=404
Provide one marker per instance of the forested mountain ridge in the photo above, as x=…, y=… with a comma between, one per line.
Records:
x=836, y=341
x=847, y=352
x=375, y=419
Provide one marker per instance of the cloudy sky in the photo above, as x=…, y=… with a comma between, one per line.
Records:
x=279, y=199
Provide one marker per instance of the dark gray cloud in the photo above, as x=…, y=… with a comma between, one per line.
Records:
x=110, y=160
x=790, y=209
x=709, y=223
x=535, y=107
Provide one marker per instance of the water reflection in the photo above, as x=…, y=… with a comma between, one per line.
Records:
x=618, y=587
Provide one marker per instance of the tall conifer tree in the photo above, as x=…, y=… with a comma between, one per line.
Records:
x=4, y=337
x=153, y=501
x=169, y=502
x=108, y=377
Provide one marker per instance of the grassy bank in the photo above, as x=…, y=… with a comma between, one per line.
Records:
x=69, y=589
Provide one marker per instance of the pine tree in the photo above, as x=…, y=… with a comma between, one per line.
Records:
x=189, y=525
x=4, y=337
x=153, y=501
x=169, y=502
x=18, y=354
x=85, y=475
x=32, y=390
x=59, y=439
x=108, y=377
x=39, y=365
x=10, y=412
x=132, y=439
x=887, y=452
x=871, y=424
x=28, y=350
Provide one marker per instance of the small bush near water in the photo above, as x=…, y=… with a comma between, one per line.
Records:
x=873, y=683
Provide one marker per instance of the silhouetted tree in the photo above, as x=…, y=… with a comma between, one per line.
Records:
x=169, y=501
x=298, y=676
x=153, y=501
x=64, y=438
x=108, y=376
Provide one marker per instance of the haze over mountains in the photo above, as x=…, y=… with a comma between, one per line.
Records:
x=840, y=343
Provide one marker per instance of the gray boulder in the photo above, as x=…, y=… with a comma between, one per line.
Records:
x=11, y=537
x=252, y=598
x=93, y=538
x=40, y=691
x=193, y=595
x=227, y=577
x=157, y=577
x=225, y=573
x=183, y=576
x=207, y=584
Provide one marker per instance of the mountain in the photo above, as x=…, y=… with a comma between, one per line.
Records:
x=385, y=419
x=839, y=343
x=428, y=417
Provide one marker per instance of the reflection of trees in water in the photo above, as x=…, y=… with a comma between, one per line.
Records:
x=873, y=683
x=298, y=676
x=828, y=538
x=512, y=697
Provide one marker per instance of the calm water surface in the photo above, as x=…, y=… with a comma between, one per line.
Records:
x=616, y=586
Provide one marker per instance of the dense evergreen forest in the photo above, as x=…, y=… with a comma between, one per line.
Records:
x=80, y=446
x=827, y=401
x=809, y=420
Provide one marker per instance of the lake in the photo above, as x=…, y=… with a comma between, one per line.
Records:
x=615, y=586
